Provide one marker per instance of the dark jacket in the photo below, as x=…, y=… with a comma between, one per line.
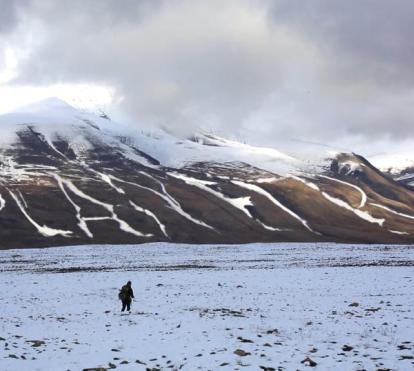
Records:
x=126, y=293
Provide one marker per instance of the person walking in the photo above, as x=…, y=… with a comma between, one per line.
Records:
x=126, y=294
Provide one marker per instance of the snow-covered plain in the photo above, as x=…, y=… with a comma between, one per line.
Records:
x=246, y=307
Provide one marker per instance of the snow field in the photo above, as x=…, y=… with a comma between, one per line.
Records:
x=272, y=304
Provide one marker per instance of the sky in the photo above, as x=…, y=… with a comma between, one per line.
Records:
x=325, y=71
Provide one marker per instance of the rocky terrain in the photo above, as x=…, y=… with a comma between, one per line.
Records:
x=69, y=177
x=212, y=307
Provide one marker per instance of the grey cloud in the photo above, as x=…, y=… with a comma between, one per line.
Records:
x=181, y=65
x=10, y=18
x=324, y=70
x=9, y=14
x=371, y=38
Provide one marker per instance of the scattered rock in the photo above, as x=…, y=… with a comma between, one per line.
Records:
x=347, y=348
x=241, y=353
x=224, y=364
x=309, y=362
x=355, y=304
x=124, y=363
x=140, y=362
x=36, y=343
x=372, y=309
x=111, y=365
x=264, y=368
x=274, y=331
x=402, y=357
x=94, y=369
x=13, y=356
x=244, y=340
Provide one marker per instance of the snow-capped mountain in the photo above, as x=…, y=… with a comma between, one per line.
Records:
x=70, y=177
x=399, y=166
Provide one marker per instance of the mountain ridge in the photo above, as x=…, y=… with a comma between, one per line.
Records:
x=70, y=177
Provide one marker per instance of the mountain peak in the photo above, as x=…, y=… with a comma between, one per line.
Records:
x=47, y=104
x=51, y=112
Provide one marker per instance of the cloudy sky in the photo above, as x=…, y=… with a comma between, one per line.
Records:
x=327, y=71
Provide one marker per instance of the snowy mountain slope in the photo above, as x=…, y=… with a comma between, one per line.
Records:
x=58, y=119
x=399, y=166
x=393, y=163
x=69, y=177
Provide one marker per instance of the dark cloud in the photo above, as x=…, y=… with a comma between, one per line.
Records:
x=10, y=11
x=324, y=70
x=9, y=14
x=371, y=38
x=369, y=53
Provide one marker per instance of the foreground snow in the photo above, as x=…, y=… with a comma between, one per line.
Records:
x=344, y=307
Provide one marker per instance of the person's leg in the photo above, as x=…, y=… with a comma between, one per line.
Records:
x=124, y=304
x=129, y=305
